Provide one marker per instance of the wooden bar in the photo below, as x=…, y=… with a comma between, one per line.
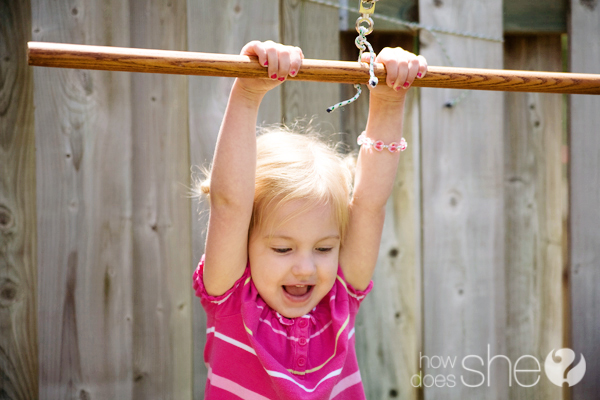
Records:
x=227, y=65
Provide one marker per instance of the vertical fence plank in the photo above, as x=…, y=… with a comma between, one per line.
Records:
x=535, y=196
x=18, y=261
x=388, y=324
x=315, y=29
x=162, y=360
x=83, y=141
x=222, y=29
x=463, y=221
x=584, y=179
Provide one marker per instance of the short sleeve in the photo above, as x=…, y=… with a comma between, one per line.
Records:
x=356, y=296
x=226, y=304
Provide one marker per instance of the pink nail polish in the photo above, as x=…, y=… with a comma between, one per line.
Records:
x=419, y=75
x=282, y=79
x=266, y=63
x=406, y=84
x=293, y=73
x=274, y=76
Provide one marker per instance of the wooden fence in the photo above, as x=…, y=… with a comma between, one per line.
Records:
x=491, y=245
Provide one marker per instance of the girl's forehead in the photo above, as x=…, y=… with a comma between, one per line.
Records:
x=297, y=216
x=300, y=207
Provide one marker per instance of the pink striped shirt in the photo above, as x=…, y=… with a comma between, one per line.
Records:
x=253, y=352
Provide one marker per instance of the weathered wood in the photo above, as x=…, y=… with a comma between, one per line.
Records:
x=306, y=25
x=535, y=204
x=406, y=10
x=520, y=16
x=83, y=142
x=162, y=342
x=388, y=326
x=226, y=28
x=584, y=218
x=18, y=257
x=227, y=65
x=535, y=17
x=463, y=212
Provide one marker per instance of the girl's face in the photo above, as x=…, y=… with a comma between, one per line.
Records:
x=295, y=266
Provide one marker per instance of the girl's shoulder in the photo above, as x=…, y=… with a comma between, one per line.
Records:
x=229, y=301
x=353, y=293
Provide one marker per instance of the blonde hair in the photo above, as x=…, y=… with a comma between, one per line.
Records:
x=292, y=166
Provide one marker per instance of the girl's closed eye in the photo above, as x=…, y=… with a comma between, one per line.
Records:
x=324, y=249
x=281, y=250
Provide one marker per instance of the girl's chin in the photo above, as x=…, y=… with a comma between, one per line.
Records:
x=297, y=313
x=296, y=306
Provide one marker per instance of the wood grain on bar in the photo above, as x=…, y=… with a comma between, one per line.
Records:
x=191, y=63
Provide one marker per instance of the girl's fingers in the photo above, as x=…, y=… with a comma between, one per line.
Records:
x=402, y=67
x=391, y=68
x=366, y=57
x=402, y=58
x=272, y=62
x=283, y=65
x=402, y=75
x=255, y=48
x=412, y=71
x=296, y=57
x=422, y=66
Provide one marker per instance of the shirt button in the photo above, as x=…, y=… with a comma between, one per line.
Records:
x=301, y=361
x=302, y=341
x=302, y=323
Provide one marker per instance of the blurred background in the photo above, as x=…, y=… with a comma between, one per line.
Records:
x=490, y=258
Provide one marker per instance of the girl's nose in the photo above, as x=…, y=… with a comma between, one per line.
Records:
x=304, y=267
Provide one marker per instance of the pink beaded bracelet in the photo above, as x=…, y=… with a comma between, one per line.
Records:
x=378, y=145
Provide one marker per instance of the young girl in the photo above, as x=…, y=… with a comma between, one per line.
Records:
x=289, y=254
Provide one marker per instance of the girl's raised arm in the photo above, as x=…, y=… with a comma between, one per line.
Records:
x=376, y=170
x=234, y=166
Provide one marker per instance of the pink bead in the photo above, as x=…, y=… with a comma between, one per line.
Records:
x=378, y=145
x=403, y=145
x=360, y=140
x=393, y=147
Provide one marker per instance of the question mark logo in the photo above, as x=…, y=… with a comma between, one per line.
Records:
x=555, y=371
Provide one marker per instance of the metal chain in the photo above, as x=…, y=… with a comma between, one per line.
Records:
x=362, y=43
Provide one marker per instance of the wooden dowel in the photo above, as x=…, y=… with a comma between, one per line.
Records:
x=190, y=63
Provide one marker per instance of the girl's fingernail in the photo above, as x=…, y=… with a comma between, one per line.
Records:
x=398, y=88
x=274, y=76
x=419, y=75
x=266, y=63
x=293, y=73
x=282, y=79
x=406, y=84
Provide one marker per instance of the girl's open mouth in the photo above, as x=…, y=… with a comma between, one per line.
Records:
x=297, y=293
